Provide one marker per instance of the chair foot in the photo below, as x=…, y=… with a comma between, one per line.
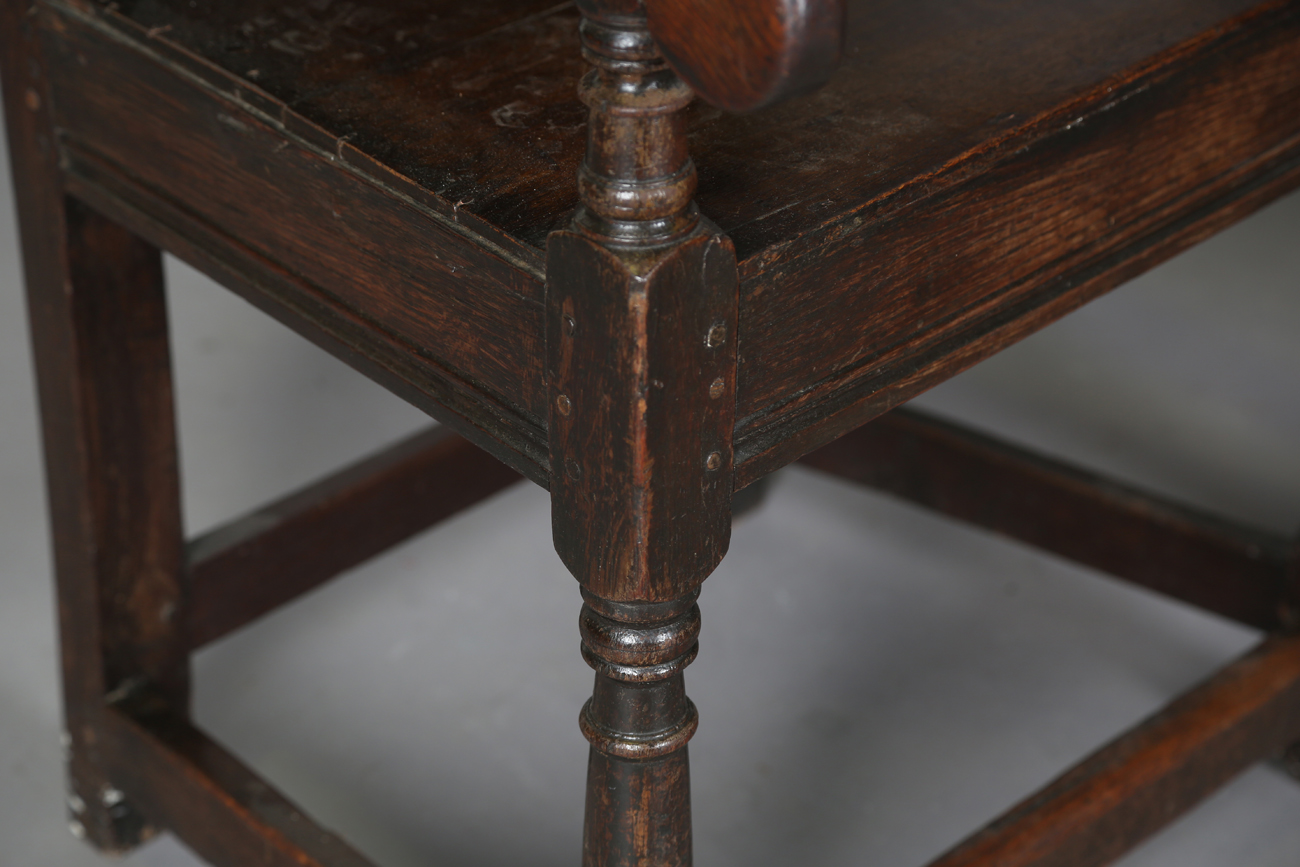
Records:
x=101, y=815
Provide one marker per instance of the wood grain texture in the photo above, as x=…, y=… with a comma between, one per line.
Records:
x=788, y=437
x=613, y=836
x=641, y=301
x=641, y=363
x=929, y=93
x=300, y=307
x=641, y=358
x=385, y=176
x=636, y=180
x=120, y=347
x=468, y=108
x=113, y=445
x=98, y=318
x=1146, y=778
x=969, y=175
x=185, y=781
x=1201, y=559
x=246, y=568
x=938, y=279
x=742, y=55
x=478, y=104
x=406, y=270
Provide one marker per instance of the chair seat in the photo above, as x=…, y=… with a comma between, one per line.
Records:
x=476, y=102
x=916, y=215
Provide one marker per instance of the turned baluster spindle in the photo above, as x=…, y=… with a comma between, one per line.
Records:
x=638, y=722
x=637, y=181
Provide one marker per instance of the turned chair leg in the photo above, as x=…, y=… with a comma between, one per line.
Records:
x=638, y=722
x=642, y=297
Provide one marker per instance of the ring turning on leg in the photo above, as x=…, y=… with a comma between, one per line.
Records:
x=638, y=722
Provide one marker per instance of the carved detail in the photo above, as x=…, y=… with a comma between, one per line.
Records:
x=637, y=180
x=631, y=747
x=639, y=709
x=638, y=722
x=638, y=652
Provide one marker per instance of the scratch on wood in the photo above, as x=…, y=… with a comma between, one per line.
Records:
x=338, y=145
x=231, y=122
x=513, y=115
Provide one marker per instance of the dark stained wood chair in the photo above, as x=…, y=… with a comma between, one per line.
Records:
x=732, y=284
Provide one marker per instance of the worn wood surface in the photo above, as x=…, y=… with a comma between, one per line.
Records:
x=243, y=569
x=965, y=259
x=1146, y=778
x=641, y=366
x=741, y=55
x=113, y=473
x=385, y=175
x=117, y=336
x=468, y=309
x=638, y=721
x=1207, y=561
x=477, y=103
x=99, y=335
x=300, y=307
x=968, y=176
x=636, y=179
x=641, y=423
x=641, y=346
x=398, y=90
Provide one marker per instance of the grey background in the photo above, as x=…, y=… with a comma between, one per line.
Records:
x=874, y=682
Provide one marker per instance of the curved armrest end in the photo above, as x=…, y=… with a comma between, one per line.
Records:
x=740, y=55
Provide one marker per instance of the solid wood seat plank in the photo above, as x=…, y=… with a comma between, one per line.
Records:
x=477, y=102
